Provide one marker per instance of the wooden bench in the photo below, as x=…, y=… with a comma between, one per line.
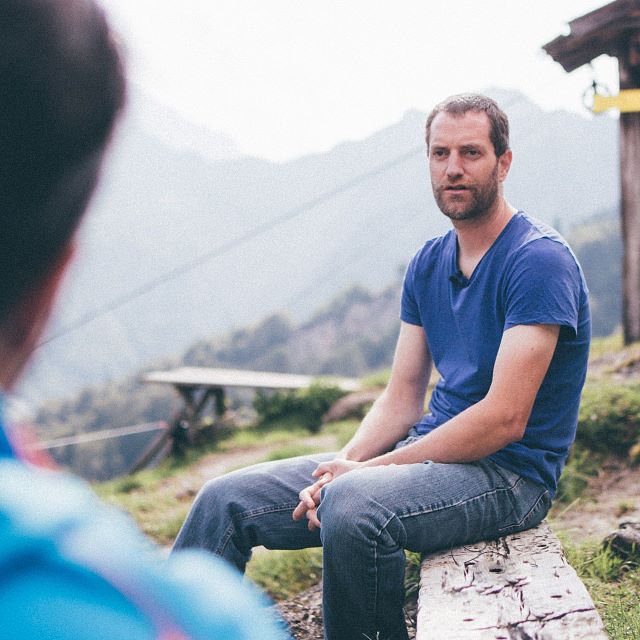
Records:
x=203, y=388
x=197, y=385
x=517, y=587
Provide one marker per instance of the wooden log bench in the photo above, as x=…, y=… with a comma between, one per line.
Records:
x=519, y=587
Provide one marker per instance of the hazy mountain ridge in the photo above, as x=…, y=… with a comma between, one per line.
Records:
x=159, y=208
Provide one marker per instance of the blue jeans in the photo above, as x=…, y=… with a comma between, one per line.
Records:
x=369, y=517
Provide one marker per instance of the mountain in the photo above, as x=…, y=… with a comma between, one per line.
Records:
x=179, y=246
x=166, y=124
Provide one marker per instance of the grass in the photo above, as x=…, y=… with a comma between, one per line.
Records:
x=605, y=345
x=342, y=431
x=580, y=468
x=412, y=575
x=278, y=433
x=376, y=379
x=282, y=574
x=614, y=586
x=158, y=513
x=292, y=451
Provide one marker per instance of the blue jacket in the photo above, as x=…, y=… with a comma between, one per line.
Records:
x=73, y=568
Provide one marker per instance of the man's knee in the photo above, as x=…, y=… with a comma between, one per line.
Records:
x=349, y=507
x=226, y=490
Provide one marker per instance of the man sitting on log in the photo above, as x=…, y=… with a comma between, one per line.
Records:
x=499, y=306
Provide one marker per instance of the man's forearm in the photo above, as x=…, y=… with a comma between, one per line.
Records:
x=475, y=433
x=383, y=426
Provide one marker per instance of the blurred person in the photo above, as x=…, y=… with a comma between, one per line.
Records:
x=71, y=568
x=499, y=307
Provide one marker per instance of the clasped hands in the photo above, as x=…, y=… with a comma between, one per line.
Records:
x=310, y=496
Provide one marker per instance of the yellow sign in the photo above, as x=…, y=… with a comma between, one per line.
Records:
x=625, y=102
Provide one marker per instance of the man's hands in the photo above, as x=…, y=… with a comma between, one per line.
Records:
x=310, y=496
x=309, y=501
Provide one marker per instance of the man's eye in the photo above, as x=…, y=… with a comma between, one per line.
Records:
x=439, y=153
x=472, y=152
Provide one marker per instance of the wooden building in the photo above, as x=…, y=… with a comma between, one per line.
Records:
x=614, y=29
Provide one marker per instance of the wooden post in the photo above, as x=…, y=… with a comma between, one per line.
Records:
x=629, y=69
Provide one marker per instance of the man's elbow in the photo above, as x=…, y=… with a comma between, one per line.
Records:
x=514, y=425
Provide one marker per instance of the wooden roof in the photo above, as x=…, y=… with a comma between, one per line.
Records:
x=593, y=34
x=217, y=378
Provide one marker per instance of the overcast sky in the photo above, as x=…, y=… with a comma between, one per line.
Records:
x=285, y=78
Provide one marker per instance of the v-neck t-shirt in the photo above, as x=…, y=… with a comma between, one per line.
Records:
x=528, y=276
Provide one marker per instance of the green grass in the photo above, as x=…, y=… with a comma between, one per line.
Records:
x=376, y=379
x=412, y=575
x=278, y=433
x=605, y=345
x=159, y=499
x=609, y=419
x=342, y=430
x=292, y=451
x=580, y=468
x=614, y=586
x=282, y=574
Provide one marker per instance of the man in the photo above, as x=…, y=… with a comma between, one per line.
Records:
x=499, y=306
x=69, y=568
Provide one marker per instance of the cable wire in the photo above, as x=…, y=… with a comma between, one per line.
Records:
x=224, y=248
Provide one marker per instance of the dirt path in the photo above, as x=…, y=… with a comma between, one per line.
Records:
x=611, y=497
x=188, y=483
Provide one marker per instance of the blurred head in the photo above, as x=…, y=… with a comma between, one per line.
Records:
x=465, y=102
x=61, y=88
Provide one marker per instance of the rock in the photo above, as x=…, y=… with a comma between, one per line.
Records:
x=625, y=542
x=353, y=405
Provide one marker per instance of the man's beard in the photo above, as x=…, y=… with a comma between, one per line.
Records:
x=483, y=197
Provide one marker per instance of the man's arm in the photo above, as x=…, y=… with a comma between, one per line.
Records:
x=401, y=404
x=499, y=418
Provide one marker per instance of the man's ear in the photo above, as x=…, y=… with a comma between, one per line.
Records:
x=504, y=164
x=25, y=323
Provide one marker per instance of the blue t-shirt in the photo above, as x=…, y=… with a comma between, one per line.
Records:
x=528, y=276
x=71, y=569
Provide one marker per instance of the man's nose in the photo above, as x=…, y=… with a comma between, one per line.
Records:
x=454, y=166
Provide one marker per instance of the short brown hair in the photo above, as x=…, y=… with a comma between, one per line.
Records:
x=465, y=102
